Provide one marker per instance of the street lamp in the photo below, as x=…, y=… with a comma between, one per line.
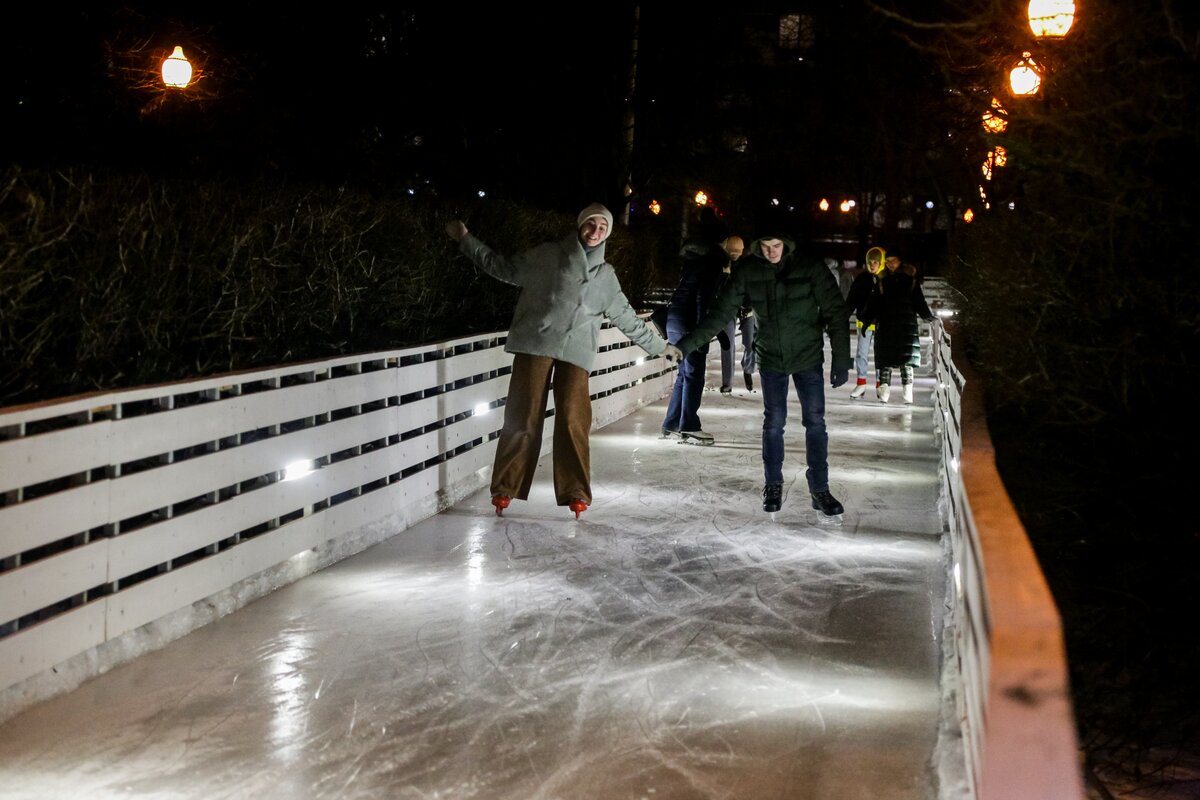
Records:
x=1051, y=19
x=701, y=198
x=177, y=70
x=823, y=205
x=655, y=207
x=994, y=120
x=1025, y=78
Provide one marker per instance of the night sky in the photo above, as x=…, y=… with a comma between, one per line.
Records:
x=526, y=105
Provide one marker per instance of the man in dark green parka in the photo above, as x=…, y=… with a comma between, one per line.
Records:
x=796, y=301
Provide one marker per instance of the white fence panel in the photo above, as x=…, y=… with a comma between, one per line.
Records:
x=120, y=511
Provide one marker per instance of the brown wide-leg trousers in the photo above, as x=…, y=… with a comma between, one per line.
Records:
x=521, y=437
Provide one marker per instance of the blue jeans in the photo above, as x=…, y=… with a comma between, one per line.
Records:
x=862, y=353
x=810, y=389
x=689, y=385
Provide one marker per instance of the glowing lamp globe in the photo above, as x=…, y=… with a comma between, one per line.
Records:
x=823, y=205
x=701, y=198
x=1026, y=76
x=994, y=121
x=1051, y=19
x=177, y=70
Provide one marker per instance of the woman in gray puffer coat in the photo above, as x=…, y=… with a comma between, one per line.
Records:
x=567, y=289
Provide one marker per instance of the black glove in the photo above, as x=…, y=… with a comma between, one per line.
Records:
x=837, y=377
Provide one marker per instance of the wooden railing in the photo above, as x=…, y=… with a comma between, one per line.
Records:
x=129, y=518
x=1013, y=696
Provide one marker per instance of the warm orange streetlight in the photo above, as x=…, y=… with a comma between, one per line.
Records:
x=968, y=215
x=823, y=205
x=845, y=206
x=1000, y=156
x=1026, y=76
x=994, y=121
x=655, y=208
x=1051, y=19
x=701, y=198
x=177, y=70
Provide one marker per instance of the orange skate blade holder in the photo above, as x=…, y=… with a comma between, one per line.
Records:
x=500, y=501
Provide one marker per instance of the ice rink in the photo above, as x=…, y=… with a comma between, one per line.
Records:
x=677, y=642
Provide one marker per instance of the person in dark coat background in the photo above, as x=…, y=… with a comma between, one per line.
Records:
x=864, y=284
x=702, y=265
x=893, y=308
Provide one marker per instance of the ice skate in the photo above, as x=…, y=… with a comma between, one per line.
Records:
x=702, y=438
x=772, y=497
x=749, y=381
x=908, y=393
x=883, y=392
x=578, y=506
x=500, y=501
x=727, y=389
x=827, y=504
x=859, y=389
x=667, y=433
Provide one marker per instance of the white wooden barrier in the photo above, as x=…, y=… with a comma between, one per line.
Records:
x=1014, y=702
x=130, y=518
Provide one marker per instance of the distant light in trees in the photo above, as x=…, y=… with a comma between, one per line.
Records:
x=701, y=198
x=1051, y=19
x=481, y=193
x=993, y=120
x=968, y=215
x=845, y=206
x=177, y=70
x=774, y=201
x=823, y=205
x=1000, y=156
x=929, y=204
x=655, y=207
x=1012, y=205
x=986, y=168
x=852, y=202
x=1026, y=76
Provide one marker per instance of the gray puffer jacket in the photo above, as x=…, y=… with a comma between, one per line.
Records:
x=565, y=294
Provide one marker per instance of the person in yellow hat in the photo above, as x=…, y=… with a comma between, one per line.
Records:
x=856, y=299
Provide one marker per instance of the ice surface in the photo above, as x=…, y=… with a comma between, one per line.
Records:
x=674, y=643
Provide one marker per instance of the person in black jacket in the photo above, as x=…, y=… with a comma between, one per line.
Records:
x=893, y=307
x=702, y=264
x=860, y=292
x=797, y=304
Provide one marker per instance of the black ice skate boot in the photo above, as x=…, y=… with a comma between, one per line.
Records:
x=772, y=497
x=827, y=504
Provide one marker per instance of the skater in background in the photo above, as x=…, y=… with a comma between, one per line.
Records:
x=701, y=272
x=567, y=288
x=893, y=307
x=796, y=300
x=734, y=247
x=860, y=292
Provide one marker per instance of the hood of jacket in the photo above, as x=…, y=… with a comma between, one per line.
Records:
x=755, y=249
